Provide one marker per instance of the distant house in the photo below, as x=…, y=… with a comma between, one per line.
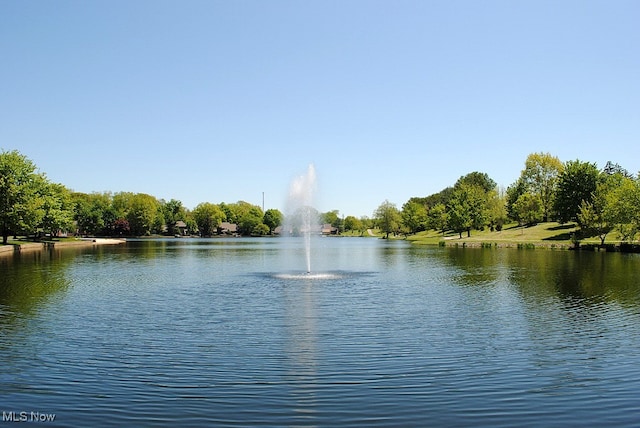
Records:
x=327, y=229
x=181, y=228
x=226, y=228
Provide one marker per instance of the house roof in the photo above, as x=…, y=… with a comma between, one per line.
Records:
x=229, y=227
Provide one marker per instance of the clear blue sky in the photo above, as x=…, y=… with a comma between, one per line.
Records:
x=219, y=101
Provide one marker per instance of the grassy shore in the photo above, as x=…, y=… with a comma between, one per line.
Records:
x=550, y=235
x=543, y=235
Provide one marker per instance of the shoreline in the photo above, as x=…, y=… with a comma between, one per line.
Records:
x=48, y=245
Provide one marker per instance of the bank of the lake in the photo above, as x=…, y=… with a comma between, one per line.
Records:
x=550, y=235
x=20, y=247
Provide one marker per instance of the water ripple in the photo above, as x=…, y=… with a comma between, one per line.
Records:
x=405, y=338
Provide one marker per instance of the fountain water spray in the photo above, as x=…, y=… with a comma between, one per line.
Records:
x=301, y=213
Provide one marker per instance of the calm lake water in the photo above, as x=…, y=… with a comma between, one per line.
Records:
x=227, y=332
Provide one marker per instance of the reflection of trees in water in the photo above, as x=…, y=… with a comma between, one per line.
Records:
x=582, y=275
x=30, y=278
x=28, y=281
x=578, y=309
x=562, y=313
x=474, y=266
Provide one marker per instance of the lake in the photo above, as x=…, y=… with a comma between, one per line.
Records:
x=230, y=332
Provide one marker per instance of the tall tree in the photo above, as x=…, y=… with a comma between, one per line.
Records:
x=480, y=179
x=173, y=211
x=353, y=223
x=442, y=197
x=496, y=209
x=528, y=209
x=57, y=208
x=332, y=218
x=514, y=192
x=20, y=184
x=93, y=213
x=272, y=218
x=141, y=214
x=598, y=216
x=208, y=217
x=439, y=218
x=576, y=184
x=467, y=208
x=387, y=217
x=540, y=175
x=247, y=216
x=623, y=208
x=414, y=216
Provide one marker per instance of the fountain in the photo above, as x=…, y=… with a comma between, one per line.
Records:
x=300, y=212
x=302, y=220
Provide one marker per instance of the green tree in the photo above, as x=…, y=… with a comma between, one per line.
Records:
x=192, y=226
x=528, y=209
x=159, y=224
x=592, y=220
x=540, y=175
x=353, y=223
x=439, y=218
x=141, y=213
x=367, y=223
x=601, y=215
x=623, y=208
x=247, y=216
x=57, y=206
x=442, y=197
x=414, y=216
x=576, y=184
x=229, y=212
x=172, y=212
x=387, y=218
x=260, y=229
x=514, y=191
x=333, y=218
x=20, y=184
x=272, y=218
x=467, y=208
x=479, y=179
x=121, y=203
x=496, y=210
x=93, y=213
x=208, y=217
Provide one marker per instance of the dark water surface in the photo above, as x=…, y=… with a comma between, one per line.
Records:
x=230, y=333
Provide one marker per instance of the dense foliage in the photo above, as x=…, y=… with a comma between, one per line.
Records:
x=31, y=205
x=599, y=201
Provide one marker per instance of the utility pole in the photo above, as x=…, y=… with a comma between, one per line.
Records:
x=263, y=202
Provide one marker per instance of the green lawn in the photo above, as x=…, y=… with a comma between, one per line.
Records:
x=544, y=234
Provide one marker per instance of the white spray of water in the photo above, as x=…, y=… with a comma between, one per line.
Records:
x=301, y=214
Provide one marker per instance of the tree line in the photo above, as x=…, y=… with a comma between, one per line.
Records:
x=599, y=201
x=30, y=204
